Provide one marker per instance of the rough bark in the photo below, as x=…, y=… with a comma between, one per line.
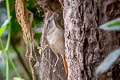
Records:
x=87, y=45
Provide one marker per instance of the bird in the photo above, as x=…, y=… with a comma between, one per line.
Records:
x=55, y=38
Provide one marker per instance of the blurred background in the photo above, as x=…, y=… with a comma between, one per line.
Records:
x=13, y=64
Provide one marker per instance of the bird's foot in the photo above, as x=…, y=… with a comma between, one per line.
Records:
x=54, y=68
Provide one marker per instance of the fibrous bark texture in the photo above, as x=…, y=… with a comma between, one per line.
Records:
x=87, y=45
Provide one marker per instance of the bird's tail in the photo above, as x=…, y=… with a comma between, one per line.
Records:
x=65, y=64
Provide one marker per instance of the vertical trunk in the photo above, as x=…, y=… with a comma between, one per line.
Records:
x=86, y=45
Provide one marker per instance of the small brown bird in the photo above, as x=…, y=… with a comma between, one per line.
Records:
x=55, y=38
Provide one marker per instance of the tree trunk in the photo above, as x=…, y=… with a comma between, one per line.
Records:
x=86, y=45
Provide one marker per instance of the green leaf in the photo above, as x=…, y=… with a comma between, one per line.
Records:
x=4, y=26
x=108, y=61
x=17, y=78
x=113, y=25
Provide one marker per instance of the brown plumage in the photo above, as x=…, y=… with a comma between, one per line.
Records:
x=55, y=38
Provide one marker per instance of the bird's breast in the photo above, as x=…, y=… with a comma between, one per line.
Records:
x=56, y=42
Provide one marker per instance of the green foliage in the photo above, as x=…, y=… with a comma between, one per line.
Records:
x=17, y=78
x=33, y=7
x=4, y=26
x=108, y=61
x=11, y=29
x=5, y=49
x=113, y=25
